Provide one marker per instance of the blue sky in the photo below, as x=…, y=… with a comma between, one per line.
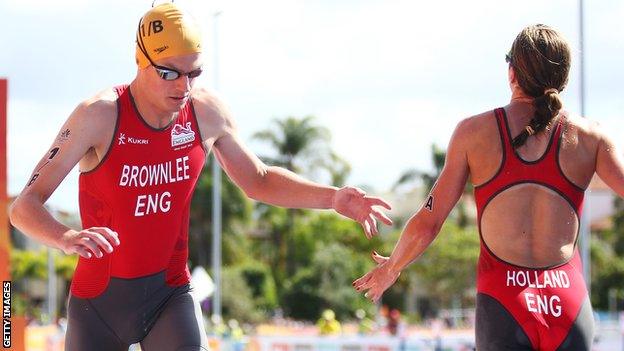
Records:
x=388, y=78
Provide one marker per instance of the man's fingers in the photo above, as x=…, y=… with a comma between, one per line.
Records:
x=110, y=235
x=91, y=245
x=382, y=216
x=376, y=201
x=80, y=250
x=99, y=240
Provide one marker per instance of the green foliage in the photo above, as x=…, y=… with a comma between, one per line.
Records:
x=19, y=304
x=337, y=266
x=237, y=297
x=236, y=217
x=65, y=265
x=618, y=227
x=301, y=298
x=326, y=283
x=607, y=270
x=607, y=257
x=27, y=264
x=260, y=281
x=301, y=146
x=447, y=268
x=33, y=265
x=331, y=253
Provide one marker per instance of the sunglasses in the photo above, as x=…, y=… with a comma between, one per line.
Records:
x=165, y=73
x=508, y=57
x=171, y=74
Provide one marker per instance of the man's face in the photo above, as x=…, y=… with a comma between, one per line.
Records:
x=171, y=95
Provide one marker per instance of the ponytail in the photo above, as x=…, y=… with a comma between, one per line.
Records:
x=547, y=107
x=540, y=57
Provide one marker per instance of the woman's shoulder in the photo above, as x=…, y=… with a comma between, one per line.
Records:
x=480, y=125
x=581, y=129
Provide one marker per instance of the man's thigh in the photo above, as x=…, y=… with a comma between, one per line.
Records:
x=179, y=327
x=87, y=331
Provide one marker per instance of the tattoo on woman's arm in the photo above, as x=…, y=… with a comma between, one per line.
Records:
x=429, y=203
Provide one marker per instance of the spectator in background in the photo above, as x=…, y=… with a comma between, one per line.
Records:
x=365, y=324
x=394, y=322
x=328, y=325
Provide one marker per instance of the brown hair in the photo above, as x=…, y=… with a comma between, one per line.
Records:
x=540, y=57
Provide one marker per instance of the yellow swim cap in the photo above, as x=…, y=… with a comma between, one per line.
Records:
x=166, y=31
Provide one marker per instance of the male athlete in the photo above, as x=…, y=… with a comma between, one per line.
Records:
x=140, y=149
x=530, y=163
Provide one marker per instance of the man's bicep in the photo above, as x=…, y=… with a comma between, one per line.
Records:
x=69, y=146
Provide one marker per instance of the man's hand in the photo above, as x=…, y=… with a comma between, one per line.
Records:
x=378, y=280
x=353, y=203
x=89, y=242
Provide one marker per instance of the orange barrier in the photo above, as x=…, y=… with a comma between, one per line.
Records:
x=5, y=246
x=17, y=323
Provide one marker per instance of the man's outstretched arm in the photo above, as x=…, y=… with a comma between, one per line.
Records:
x=275, y=185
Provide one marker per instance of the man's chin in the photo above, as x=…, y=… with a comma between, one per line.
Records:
x=176, y=103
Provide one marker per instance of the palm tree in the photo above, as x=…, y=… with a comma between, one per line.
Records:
x=438, y=156
x=302, y=147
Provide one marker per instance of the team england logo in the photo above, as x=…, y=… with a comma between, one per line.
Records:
x=181, y=135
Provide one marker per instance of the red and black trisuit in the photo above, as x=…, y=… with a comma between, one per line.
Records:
x=521, y=308
x=141, y=189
